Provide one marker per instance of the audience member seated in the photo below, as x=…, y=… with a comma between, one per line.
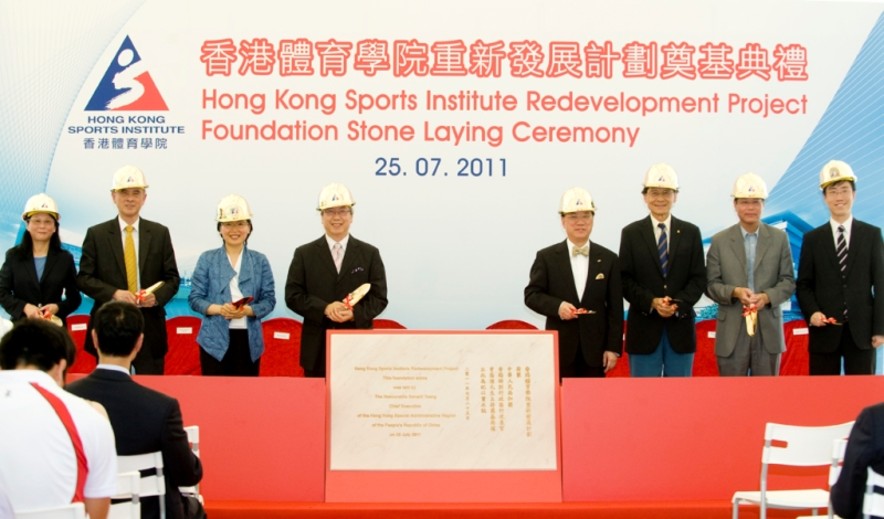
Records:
x=55, y=448
x=144, y=420
x=865, y=448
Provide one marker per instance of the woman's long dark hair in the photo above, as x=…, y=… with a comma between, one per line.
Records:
x=26, y=247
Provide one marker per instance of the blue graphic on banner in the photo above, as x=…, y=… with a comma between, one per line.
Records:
x=849, y=130
x=127, y=84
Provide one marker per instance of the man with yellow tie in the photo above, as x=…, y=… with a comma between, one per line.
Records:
x=123, y=259
x=576, y=285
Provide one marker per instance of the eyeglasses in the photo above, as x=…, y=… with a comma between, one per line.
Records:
x=331, y=213
x=660, y=193
x=36, y=220
x=839, y=191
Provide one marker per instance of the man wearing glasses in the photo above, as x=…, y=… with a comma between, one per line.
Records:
x=576, y=285
x=322, y=274
x=664, y=275
x=840, y=272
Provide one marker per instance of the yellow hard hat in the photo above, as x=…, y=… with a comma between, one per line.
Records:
x=41, y=203
x=836, y=171
x=576, y=199
x=661, y=175
x=128, y=177
x=335, y=195
x=233, y=208
x=750, y=185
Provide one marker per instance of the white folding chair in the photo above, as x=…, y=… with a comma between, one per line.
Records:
x=151, y=484
x=71, y=511
x=128, y=488
x=193, y=436
x=797, y=446
x=838, y=448
x=873, y=500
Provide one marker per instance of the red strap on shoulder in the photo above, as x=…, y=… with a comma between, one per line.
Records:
x=65, y=416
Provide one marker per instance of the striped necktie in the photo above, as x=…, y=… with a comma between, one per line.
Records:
x=663, y=249
x=841, y=250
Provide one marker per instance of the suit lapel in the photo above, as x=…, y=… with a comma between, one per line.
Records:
x=737, y=247
x=245, y=267
x=855, y=230
x=763, y=244
x=674, y=240
x=323, y=252
x=647, y=236
x=351, y=255
x=115, y=244
x=51, y=260
x=143, y=245
x=831, y=249
x=31, y=268
x=563, y=264
x=595, y=269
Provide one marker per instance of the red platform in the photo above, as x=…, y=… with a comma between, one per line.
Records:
x=630, y=447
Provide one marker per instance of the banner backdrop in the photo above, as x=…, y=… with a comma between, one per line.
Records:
x=457, y=125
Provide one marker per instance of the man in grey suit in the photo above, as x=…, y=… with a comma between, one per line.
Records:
x=749, y=274
x=324, y=271
x=107, y=273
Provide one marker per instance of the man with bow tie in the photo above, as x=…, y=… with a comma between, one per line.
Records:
x=576, y=285
x=664, y=275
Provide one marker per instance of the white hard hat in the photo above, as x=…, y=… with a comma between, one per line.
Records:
x=576, y=199
x=233, y=208
x=661, y=175
x=41, y=203
x=836, y=171
x=750, y=185
x=128, y=177
x=335, y=195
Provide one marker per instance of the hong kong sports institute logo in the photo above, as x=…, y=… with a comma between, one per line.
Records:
x=127, y=84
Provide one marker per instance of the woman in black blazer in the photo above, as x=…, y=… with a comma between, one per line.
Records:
x=37, y=272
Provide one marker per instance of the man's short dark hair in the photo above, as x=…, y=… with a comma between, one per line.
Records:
x=118, y=326
x=833, y=184
x=35, y=342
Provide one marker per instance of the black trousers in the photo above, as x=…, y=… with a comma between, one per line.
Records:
x=237, y=362
x=856, y=361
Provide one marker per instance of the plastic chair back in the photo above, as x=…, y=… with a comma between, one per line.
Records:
x=150, y=467
x=128, y=488
x=873, y=500
x=193, y=437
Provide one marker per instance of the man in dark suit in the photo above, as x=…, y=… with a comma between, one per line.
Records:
x=661, y=261
x=107, y=274
x=865, y=448
x=325, y=271
x=576, y=285
x=143, y=420
x=840, y=272
x=749, y=274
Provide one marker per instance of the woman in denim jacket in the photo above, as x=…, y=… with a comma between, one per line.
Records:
x=232, y=287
